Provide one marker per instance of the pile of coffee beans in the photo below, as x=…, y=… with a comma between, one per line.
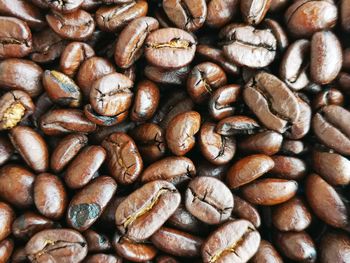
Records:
x=168, y=131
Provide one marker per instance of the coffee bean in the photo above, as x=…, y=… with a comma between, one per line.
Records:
x=254, y=11
x=244, y=210
x=220, y=12
x=288, y=167
x=335, y=246
x=96, y=241
x=7, y=216
x=237, y=125
x=266, y=253
x=6, y=149
x=344, y=13
x=328, y=97
x=167, y=76
x=103, y=258
x=6, y=248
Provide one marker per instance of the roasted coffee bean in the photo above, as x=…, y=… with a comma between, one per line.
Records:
x=209, y=200
x=293, y=147
x=326, y=57
x=296, y=246
x=271, y=101
x=114, y=17
x=247, y=46
x=334, y=247
x=78, y=25
x=6, y=248
x=248, y=169
x=292, y=215
x=89, y=203
x=16, y=185
x=15, y=106
x=145, y=102
x=73, y=56
x=145, y=210
x=65, y=6
x=129, y=45
x=244, y=210
x=237, y=125
x=123, y=159
x=266, y=254
x=186, y=14
x=328, y=97
x=288, y=167
x=136, y=252
x=61, y=89
x=21, y=74
x=221, y=12
x=28, y=224
x=303, y=18
x=15, y=37
x=67, y=148
x=170, y=48
x=7, y=216
x=329, y=125
x=6, y=149
x=63, y=121
x=103, y=258
x=269, y=191
x=96, y=241
x=102, y=120
x=266, y=142
x=167, y=76
x=50, y=196
x=235, y=241
x=176, y=242
x=63, y=245
x=84, y=166
x=253, y=12
x=91, y=70
x=330, y=208
x=203, y=80
x=279, y=32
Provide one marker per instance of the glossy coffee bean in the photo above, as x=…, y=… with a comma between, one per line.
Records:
x=244, y=210
x=7, y=216
x=335, y=246
x=266, y=254
x=64, y=245
x=209, y=200
x=6, y=248
x=254, y=11
x=248, y=169
x=167, y=76
x=145, y=210
x=97, y=242
x=89, y=203
x=288, y=167
x=331, y=96
x=123, y=159
x=50, y=196
x=293, y=147
x=170, y=48
x=237, y=125
x=220, y=12
x=223, y=246
x=279, y=32
x=65, y=7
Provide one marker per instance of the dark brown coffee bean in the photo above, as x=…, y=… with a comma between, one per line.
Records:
x=15, y=38
x=334, y=247
x=287, y=167
x=326, y=57
x=253, y=12
x=66, y=150
x=173, y=169
x=6, y=248
x=235, y=241
x=15, y=106
x=167, y=76
x=73, y=56
x=103, y=258
x=294, y=65
x=63, y=245
x=217, y=55
x=244, y=210
x=345, y=14
x=328, y=97
x=170, y=48
x=209, y=200
x=144, y=211
x=203, y=80
x=220, y=12
x=21, y=74
x=270, y=191
x=216, y=148
x=177, y=243
x=292, y=215
x=266, y=254
x=301, y=24
x=103, y=132
x=97, y=242
x=279, y=32
x=84, y=166
x=247, y=46
x=108, y=215
x=266, y=142
x=333, y=167
x=296, y=246
x=123, y=159
x=16, y=185
x=271, y=101
x=78, y=25
x=220, y=101
x=128, y=48
x=146, y=101
x=7, y=216
x=186, y=14
x=6, y=149
x=65, y=6
x=329, y=125
x=102, y=120
x=89, y=203
x=248, y=169
x=62, y=121
x=28, y=224
x=237, y=125
x=330, y=208
x=91, y=70
x=150, y=140
x=136, y=252
x=293, y=147
x=114, y=17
